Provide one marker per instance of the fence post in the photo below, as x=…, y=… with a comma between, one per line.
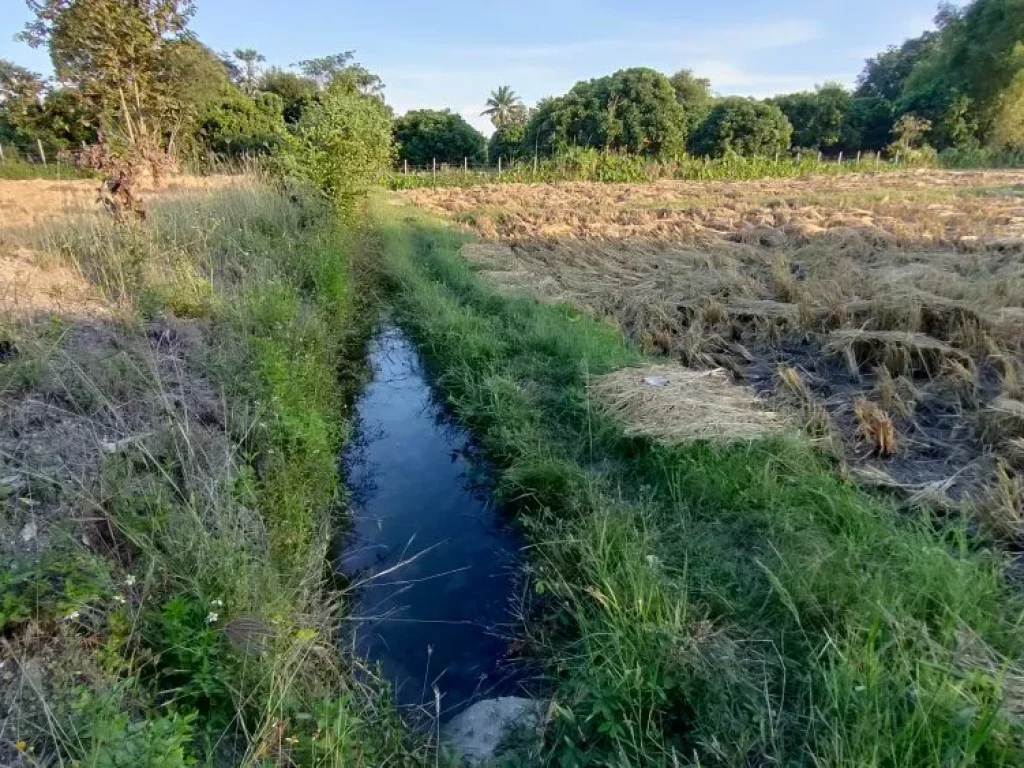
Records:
x=776, y=158
x=42, y=155
x=858, y=156
x=819, y=157
x=434, y=168
x=499, y=165
x=405, y=166
x=840, y=157
x=465, y=165
x=534, y=162
x=896, y=160
x=2, y=158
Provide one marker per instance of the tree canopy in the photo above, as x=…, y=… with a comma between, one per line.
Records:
x=633, y=110
x=425, y=135
x=742, y=126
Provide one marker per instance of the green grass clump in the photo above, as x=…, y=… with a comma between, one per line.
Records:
x=719, y=606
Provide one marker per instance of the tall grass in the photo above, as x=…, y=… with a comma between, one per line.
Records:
x=227, y=516
x=591, y=165
x=714, y=606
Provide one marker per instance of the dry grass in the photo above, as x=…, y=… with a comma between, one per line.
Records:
x=677, y=404
x=903, y=288
x=25, y=204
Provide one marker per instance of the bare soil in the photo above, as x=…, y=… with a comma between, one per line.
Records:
x=887, y=309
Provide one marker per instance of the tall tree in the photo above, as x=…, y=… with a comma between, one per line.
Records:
x=694, y=96
x=251, y=60
x=114, y=53
x=743, y=126
x=886, y=74
x=633, y=110
x=326, y=70
x=297, y=92
x=504, y=107
x=425, y=135
x=817, y=116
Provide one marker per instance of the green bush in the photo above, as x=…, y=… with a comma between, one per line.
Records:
x=743, y=127
x=237, y=125
x=342, y=146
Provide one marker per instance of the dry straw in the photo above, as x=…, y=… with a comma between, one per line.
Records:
x=674, y=405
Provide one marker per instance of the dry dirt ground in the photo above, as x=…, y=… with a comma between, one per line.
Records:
x=83, y=386
x=886, y=309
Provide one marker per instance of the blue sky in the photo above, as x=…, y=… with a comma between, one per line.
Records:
x=451, y=53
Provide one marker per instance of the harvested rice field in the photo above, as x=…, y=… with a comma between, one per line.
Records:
x=884, y=313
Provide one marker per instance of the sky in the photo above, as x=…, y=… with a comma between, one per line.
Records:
x=452, y=53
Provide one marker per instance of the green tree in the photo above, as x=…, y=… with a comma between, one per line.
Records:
x=297, y=92
x=250, y=59
x=342, y=146
x=868, y=124
x=21, y=109
x=114, y=54
x=425, y=135
x=694, y=95
x=633, y=110
x=237, y=125
x=743, y=126
x=817, y=117
x=504, y=107
x=885, y=75
x=327, y=69
x=508, y=143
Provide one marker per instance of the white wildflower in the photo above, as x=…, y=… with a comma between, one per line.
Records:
x=73, y=616
x=119, y=599
x=217, y=603
x=212, y=617
x=129, y=581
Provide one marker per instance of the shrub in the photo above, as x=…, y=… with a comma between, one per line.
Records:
x=237, y=125
x=744, y=127
x=341, y=145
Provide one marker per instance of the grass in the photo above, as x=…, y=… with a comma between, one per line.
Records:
x=19, y=170
x=718, y=606
x=591, y=165
x=209, y=634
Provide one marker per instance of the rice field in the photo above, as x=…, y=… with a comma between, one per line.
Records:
x=882, y=313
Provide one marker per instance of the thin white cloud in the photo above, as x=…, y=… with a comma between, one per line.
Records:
x=460, y=74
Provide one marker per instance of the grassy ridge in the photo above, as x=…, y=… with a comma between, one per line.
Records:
x=221, y=646
x=721, y=606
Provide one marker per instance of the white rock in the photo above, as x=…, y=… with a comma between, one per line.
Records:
x=475, y=734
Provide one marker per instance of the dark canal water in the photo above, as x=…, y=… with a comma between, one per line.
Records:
x=433, y=560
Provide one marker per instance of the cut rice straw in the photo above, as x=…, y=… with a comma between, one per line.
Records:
x=673, y=404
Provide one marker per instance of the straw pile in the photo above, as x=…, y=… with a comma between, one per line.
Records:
x=673, y=404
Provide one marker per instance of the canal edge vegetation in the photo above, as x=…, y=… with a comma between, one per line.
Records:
x=187, y=615
x=702, y=604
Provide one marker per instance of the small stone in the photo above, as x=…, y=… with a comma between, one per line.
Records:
x=474, y=735
x=28, y=532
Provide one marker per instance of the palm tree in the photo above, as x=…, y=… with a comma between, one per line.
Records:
x=251, y=58
x=504, y=107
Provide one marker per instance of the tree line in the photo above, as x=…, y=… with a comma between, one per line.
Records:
x=131, y=74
